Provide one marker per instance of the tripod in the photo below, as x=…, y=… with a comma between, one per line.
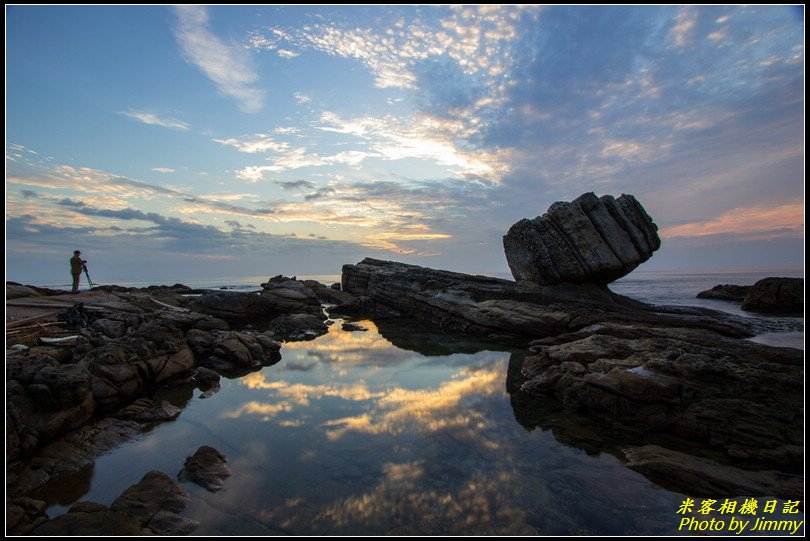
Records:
x=87, y=274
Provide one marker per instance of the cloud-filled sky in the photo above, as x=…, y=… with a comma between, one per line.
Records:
x=176, y=144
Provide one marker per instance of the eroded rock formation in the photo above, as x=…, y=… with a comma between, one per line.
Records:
x=587, y=240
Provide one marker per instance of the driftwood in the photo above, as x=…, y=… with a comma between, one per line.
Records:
x=52, y=305
x=64, y=340
x=36, y=326
x=23, y=322
x=170, y=307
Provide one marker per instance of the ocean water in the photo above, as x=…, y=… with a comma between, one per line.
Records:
x=681, y=289
x=397, y=430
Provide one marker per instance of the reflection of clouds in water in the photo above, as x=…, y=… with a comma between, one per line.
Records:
x=393, y=411
x=431, y=411
x=301, y=393
x=299, y=366
x=350, y=348
x=266, y=411
x=478, y=506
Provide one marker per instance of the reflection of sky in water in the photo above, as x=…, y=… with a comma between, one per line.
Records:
x=348, y=434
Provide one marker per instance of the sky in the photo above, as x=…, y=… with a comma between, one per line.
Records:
x=174, y=144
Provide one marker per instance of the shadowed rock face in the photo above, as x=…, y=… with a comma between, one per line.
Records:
x=590, y=239
x=783, y=296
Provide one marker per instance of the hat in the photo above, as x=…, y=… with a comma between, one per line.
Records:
x=76, y=252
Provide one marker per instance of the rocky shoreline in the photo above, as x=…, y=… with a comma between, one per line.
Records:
x=674, y=391
x=772, y=295
x=82, y=369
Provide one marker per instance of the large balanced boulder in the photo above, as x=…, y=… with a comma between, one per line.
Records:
x=591, y=239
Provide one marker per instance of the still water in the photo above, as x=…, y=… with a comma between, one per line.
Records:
x=402, y=430
x=352, y=434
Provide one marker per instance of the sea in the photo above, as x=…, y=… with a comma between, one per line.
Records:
x=404, y=430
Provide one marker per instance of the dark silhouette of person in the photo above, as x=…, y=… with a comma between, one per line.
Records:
x=76, y=267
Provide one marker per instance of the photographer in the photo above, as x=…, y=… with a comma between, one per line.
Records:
x=76, y=268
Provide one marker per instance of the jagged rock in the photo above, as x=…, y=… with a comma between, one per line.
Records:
x=590, y=239
x=725, y=292
x=110, y=328
x=298, y=327
x=490, y=307
x=331, y=294
x=353, y=327
x=279, y=296
x=124, y=368
x=206, y=468
x=778, y=296
x=155, y=492
x=145, y=410
x=207, y=381
x=227, y=351
x=149, y=507
x=714, y=395
x=23, y=515
x=43, y=400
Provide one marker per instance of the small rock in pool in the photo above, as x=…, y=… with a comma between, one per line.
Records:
x=353, y=327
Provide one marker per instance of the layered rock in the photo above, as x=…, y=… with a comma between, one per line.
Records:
x=279, y=296
x=590, y=239
x=726, y=403
x=490, y=307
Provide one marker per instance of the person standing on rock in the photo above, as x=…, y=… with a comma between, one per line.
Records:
x=76, y=267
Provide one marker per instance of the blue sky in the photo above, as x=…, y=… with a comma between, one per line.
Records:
x=173, y=144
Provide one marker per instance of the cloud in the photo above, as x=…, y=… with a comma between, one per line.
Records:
x=421, y=137
x=297, y=158
x=296, y=184
x=162, y=170
x=681, y=30
x=228, y=66
x=752, y=222
x=260, y=142
x=155, y=120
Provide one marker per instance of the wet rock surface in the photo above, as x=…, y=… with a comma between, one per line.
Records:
x=489, y=307
x=206, y=467
x=590, y=239
x=149, y=507
x=676, y=376
x=298, y=327
x=66, y=404
x=280, y=295
x=732, y=404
